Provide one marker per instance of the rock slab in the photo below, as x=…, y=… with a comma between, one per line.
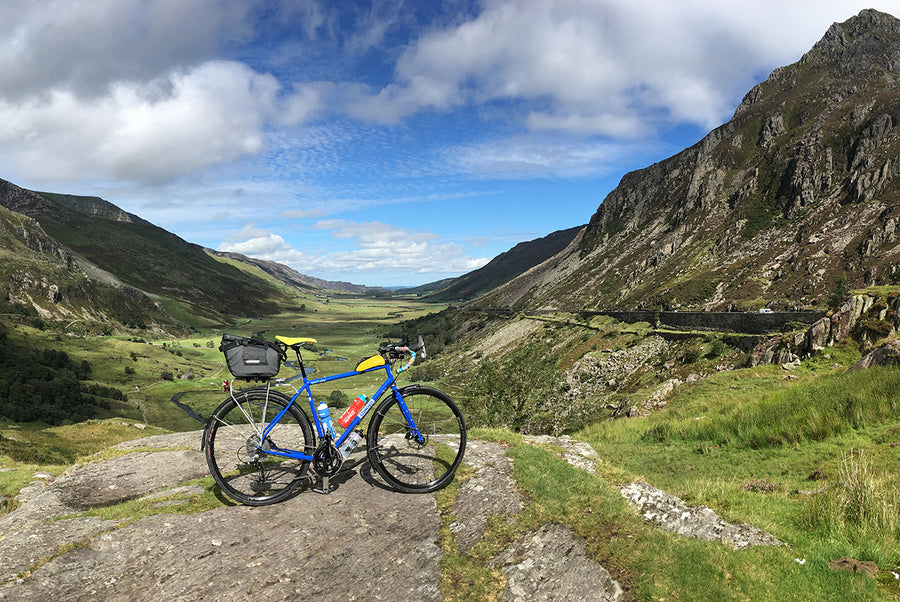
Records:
x=550, y=564
x=672, y=514
x=362, y=542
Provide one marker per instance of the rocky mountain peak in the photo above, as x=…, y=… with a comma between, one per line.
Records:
x=798, y=190
x=861, y=45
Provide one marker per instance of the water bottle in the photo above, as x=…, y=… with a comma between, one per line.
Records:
x=351, y=412
x=325, y=419
x=351, y=443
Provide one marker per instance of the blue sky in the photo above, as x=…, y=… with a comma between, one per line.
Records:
x=383, y=143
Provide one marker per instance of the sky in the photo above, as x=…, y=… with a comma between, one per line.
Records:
x=386, y=143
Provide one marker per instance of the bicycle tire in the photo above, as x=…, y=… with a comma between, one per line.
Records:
x=231, y=442
x=407, y=465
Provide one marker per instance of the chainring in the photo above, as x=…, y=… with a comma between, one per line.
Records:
x=327, y=459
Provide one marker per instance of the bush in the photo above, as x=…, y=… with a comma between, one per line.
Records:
x=692, y=354
x=524, y=392
x=338, y=399
x=717, y=348
x=836, y=296
x=166, y=376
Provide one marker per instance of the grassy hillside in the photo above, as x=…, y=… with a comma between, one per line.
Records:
x=502, y=268
x=809, y=455
x=156, y=261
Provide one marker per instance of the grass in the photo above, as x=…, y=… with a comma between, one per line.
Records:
x=654, y=565
x=829, y=407
x=811, y=459
x=188, y=501
x=813, y=462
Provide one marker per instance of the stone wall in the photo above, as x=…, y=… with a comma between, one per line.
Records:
x=740, y=322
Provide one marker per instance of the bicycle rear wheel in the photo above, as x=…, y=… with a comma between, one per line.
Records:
x=414, y=464
x=236, y=457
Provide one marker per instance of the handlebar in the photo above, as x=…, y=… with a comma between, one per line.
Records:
x=393, y=351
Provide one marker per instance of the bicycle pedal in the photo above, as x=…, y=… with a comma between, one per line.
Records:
x=325, y=489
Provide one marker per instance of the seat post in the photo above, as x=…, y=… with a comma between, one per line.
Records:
x=296, y=349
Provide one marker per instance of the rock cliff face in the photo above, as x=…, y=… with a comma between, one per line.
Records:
x=866, y=318
x=773, y=207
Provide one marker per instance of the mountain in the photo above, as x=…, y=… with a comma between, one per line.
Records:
x=93, y=207
x=39, y=273
x=89, y=258
x=797, y=191
x=501, y=269
x=294, y=278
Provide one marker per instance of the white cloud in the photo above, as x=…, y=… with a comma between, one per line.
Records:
x=301, y=213
x=267, y=246
x=86, y=46
x=380, y=248
x=135, y=91
x=603, y=66
x=535, y=156
x=212, y=114
x=250, y=233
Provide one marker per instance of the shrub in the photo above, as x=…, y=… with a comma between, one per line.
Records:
x=338, y=399
x=717, y=348
x=524, y=392
x=836, y=296
x=692, y=354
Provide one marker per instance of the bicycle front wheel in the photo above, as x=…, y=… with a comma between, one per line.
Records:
x=237, y=457
x=419, y=453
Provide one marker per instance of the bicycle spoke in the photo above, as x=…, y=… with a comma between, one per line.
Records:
x=237, y=456
x=414, y=463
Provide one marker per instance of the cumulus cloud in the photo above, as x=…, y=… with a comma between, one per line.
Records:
x=378, y=248
x=601, y=66
x=141, y=90
x=208, y=115
x=131, y=90
x=87, y=46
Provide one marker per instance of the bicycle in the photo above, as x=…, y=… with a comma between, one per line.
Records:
x=259, y=443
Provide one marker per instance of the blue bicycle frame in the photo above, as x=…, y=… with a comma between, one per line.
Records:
x=390, y=382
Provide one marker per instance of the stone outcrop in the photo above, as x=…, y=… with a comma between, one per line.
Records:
x=864, y=317
x=363, y=541
x=357, y=543
x=491, y=492
x=671, y=514
x=550, y=564
x=886, y=355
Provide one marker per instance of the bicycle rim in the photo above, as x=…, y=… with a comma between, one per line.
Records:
x=237, y=459
x=408, y=464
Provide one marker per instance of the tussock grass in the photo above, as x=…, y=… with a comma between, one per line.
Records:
x=723, y=441
x=651, y=564
x=828, y=407
x=863, y=506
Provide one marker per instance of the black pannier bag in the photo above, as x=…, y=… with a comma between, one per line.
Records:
x=251, y=359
